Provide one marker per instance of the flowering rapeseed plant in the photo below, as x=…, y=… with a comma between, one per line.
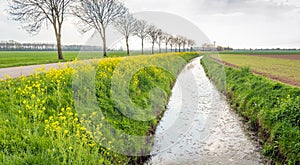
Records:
x=39, y=123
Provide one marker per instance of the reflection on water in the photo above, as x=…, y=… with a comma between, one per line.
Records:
x=198, y=126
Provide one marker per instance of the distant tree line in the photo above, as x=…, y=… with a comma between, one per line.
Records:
x=16, y=46
x=93, y=14
x=212, y=47
x=267, y=49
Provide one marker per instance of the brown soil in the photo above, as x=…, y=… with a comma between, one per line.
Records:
x=268, y=75
x=289, y=57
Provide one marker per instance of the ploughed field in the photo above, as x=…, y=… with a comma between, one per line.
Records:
x=287, y=56
x=284, y=68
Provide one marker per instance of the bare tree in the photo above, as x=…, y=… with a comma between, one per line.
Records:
x=191, y=43
x=141, y=31
x=184, y=43
x=180, y=41
x=172, y=42
x=160, y=39
x=127, y=26
x=33, y=14
x=176, y=41
x=167, y=39
x=98, y=14
x=153, y=34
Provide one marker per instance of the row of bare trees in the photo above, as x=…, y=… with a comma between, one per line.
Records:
x=93, y=14
x=129, y=26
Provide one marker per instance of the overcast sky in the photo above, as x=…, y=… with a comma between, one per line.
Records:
x=235, y=23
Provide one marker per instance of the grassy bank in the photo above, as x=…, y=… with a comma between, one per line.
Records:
x=40, y=123
x=270, y=108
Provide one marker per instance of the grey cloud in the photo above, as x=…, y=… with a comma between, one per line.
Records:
x=252, y=7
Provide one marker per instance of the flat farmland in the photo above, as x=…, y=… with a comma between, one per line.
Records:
x=23, y=58
x=284, y=68
x=286, y=56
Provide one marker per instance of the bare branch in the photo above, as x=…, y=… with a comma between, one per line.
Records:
x=127, y=26
x=153, y=34
x=142, y=27
x=98, y=14
x=141, y=31
x=33, y=14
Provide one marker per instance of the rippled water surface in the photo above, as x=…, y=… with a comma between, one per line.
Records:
x=199, y=127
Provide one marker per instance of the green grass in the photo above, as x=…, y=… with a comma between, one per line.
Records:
x=23, y=58
x=272, y=67
x=11, y=59
x=261, y=52
x=41, y=118
x=270, y=108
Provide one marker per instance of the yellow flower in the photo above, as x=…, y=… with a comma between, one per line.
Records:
x=70, y=113
x=82, y=128
x=62, y=117
x=28, y=107
x=92, y=145
x=66, y=132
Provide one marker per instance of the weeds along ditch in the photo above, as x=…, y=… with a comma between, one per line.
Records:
x=39, y=123
x=270, y=108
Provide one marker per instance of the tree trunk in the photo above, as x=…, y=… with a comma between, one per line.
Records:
x=171, y=48
x=58, y=41
x=104, y=43
x=166, y=48
x=152, y=47
x=127, y=46
x=59, y=47
x=142, y=46
x=159, y=48
x=104, y=48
